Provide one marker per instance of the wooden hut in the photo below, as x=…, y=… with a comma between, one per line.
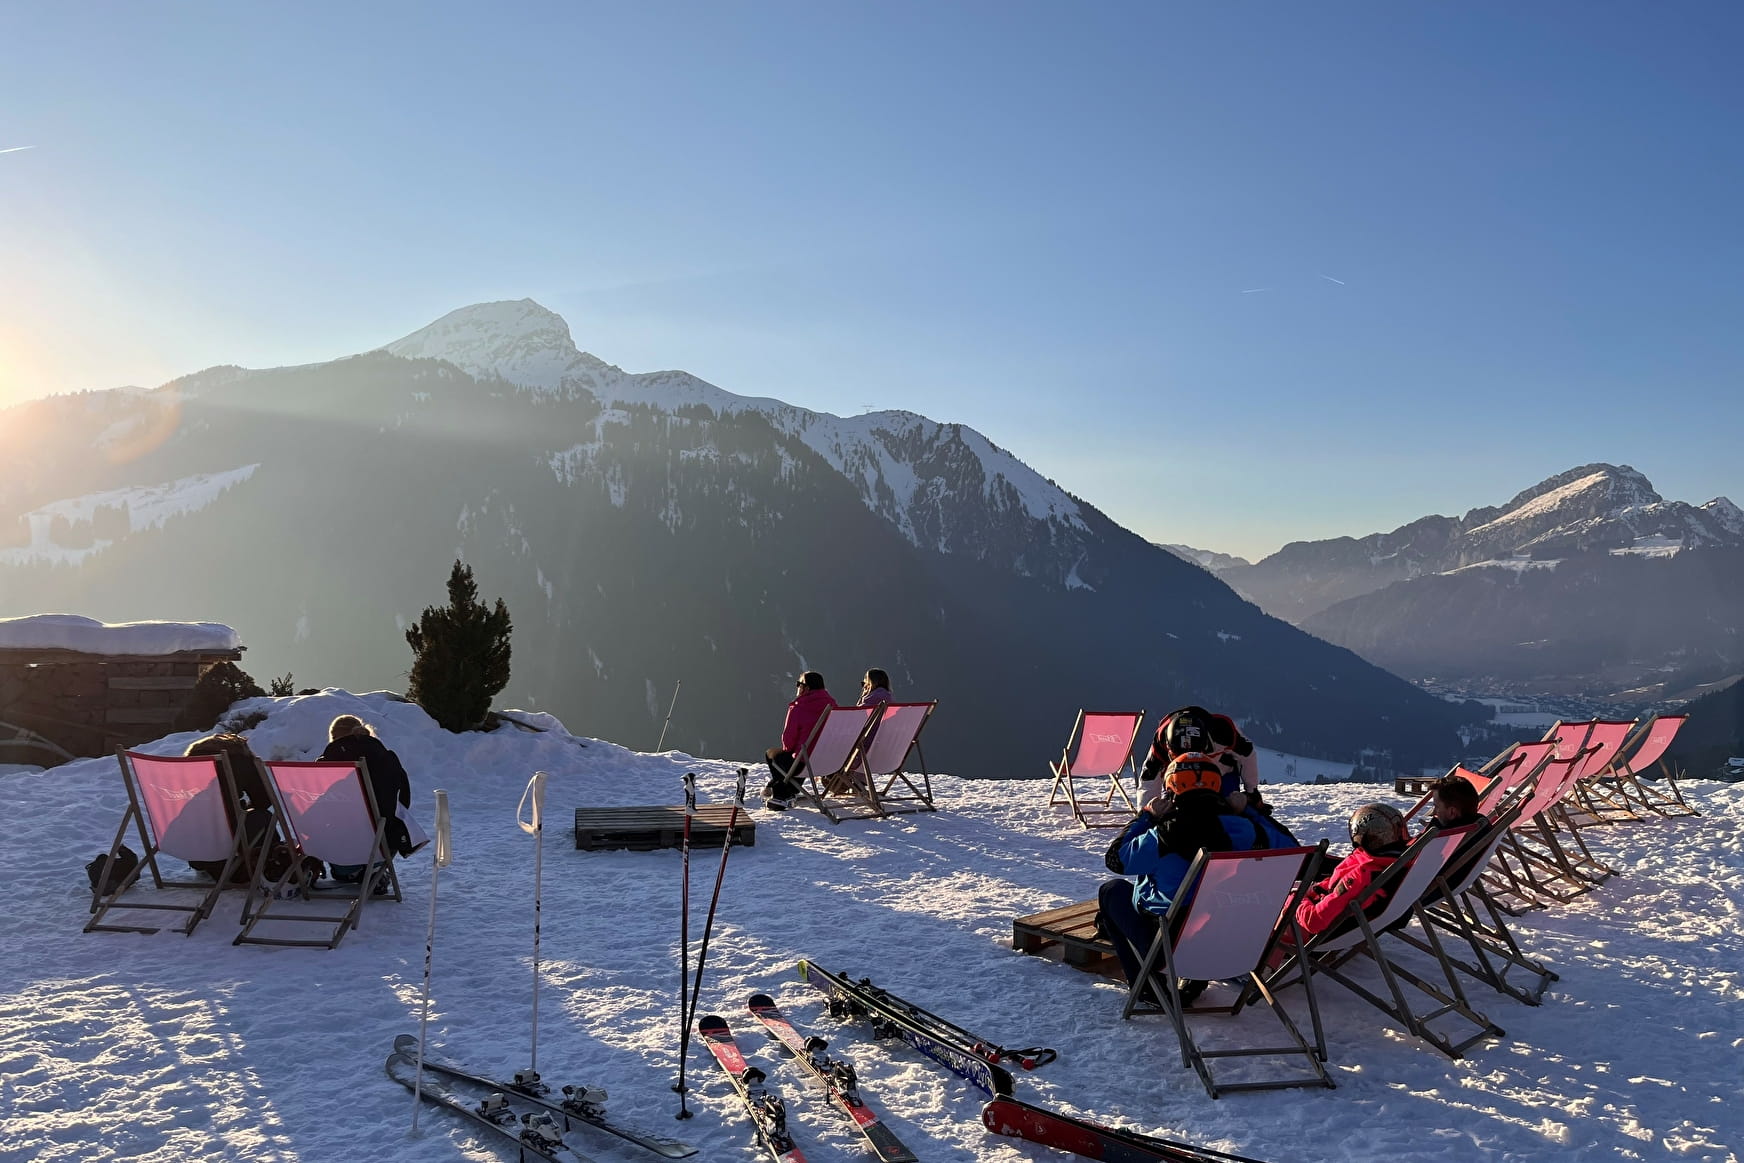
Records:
x=90, y=688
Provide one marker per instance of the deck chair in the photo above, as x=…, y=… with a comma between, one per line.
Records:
x=1328, y=954
x=1567, y=814
x=877, y=782
x=325, y=811
x=1224, y=928
x=182, y=806
x=1622, y=784
x=1513, y=767
x=1104, y=740
x=1586, y=803
x=829, y=782
x=1524, y=873
x=1458, y=905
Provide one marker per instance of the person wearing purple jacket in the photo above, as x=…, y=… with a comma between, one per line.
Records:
x=807, y=707
x=875, y=688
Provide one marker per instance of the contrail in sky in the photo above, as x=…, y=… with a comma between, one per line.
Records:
x=1330, y=279
x=16, y=148
x=1257, y=291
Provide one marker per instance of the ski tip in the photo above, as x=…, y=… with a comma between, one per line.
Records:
x=406, y=1043
x=713, y=1022
x=760, y=1001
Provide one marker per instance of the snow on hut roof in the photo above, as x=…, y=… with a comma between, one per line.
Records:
x=89, y=636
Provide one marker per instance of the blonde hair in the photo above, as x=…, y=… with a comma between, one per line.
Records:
x=347, y=725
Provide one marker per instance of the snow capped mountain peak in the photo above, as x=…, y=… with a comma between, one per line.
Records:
x=915, y=472
x=515, y=340
x=1726, y=515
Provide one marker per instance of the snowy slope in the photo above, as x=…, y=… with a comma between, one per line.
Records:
x=168, y=1048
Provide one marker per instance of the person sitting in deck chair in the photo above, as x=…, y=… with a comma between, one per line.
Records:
x=807, y=707
x=874, y=688
x=1455, y=806
x=350, y=740
x=1378, y=835
x=1194, y=730
x=1159, y=846
x=256, y=804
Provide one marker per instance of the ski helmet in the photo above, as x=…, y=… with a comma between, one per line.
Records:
x=1375, y=826
x=1193, y=770
x=1188, y=730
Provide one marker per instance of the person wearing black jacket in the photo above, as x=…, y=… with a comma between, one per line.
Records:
x=352, y=740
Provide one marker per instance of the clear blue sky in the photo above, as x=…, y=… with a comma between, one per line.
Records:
x=1036, y=219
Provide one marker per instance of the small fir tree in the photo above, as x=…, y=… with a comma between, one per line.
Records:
x=460, y=655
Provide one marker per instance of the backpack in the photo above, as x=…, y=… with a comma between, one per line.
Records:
x=125, y=863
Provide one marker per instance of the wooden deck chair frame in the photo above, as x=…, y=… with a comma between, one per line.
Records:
x=1098, y=813
x=1581, y=871
x=293, y=885
x=1622, y=785
x=1453, y=905
x=1327, y=954
x=1215, y=878
x=1585, y=804
x=829, y=783
x=152, y=832
x=1524, y=873
x=877, y=781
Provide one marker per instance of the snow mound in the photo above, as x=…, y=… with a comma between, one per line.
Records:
x=164, y=1047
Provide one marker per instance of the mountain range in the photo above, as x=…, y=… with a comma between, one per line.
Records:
x=1588, y=583
x=646, y=529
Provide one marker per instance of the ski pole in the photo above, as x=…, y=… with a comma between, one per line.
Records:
x=684, y=942
x=440, y=855
x=676, y=687
x=720, y=875
x=536, y=827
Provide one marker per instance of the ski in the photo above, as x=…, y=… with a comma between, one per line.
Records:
x=892, y=1017
x=584, y=1103
x=529, y=1132
x=1010, y=1116
x=835, y=1076
x=768, y=1113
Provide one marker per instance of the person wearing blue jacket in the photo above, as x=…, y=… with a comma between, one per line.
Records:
x=1159, y=846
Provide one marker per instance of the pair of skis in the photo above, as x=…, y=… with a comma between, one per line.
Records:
x=767, y=1110
x=499, y=1104
x=978, y=1060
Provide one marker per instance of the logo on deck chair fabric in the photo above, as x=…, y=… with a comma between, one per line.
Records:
x=1105, y=738
x=1241, y=899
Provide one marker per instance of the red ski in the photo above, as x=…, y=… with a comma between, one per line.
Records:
x=1010, y=1116
x=836, y=1077
x=768, y=1113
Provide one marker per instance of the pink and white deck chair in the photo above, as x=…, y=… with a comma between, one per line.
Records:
x=1530, y=869
x=1458, y=905
x=1512, y=768
x=1584, y=805
x=1621, y=786
x=182, y=806
x=878, y=782
x=1223, y=928
x=828, y=756
x=1404, y=884
x=325, y=811
x=1568, y=815
x=1104, y=740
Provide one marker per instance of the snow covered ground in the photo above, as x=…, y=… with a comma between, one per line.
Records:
x=118, y=1046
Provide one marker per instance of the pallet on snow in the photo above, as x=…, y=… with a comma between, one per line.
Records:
x=1072, y=930
x=644, y=829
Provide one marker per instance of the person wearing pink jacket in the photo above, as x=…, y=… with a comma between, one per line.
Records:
x=785, y=766
x=1379, y=836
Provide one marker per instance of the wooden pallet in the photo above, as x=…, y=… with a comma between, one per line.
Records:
x=1071, y=929
x=644, y=829
x=1413, y=785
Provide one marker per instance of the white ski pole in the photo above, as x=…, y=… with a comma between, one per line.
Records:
x=676, y=687
x=441, y=853
x=536, y=793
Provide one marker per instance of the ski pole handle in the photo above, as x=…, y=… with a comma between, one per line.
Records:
x=690, y=793
x=444, y=841
x=535, y=792
x=739, y=793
